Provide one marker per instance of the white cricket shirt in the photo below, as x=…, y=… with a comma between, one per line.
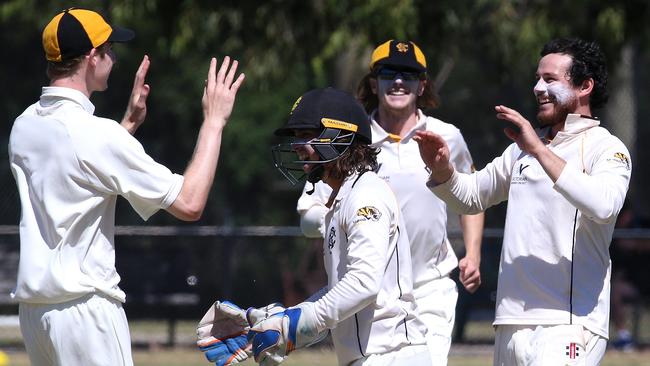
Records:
x=370, y=305
x=69, y=167
x=425, y=215
x=555, y=266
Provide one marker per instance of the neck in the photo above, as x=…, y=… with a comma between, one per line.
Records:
x=78, y=81
x=581, y=109
x=398, y=122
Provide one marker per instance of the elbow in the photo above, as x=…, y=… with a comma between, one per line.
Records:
x=604, y=215
x=194, y=213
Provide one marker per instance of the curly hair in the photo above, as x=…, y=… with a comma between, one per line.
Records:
x=588, y=63
x=358, y=157
x=369, y=100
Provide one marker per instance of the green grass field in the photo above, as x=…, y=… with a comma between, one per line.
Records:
x=150, y=336
x=320, y=357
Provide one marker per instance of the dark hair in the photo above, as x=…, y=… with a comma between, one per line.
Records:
x=359, y=157
x=369, y=100
x=588, y=63
x=58, y=70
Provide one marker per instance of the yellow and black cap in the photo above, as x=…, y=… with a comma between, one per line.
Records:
x=328, y=108
x=400, y=54
x=75, y=31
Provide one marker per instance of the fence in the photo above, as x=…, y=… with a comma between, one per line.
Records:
x=173, y=273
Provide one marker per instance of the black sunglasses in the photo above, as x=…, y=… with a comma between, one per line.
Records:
x=392, y=74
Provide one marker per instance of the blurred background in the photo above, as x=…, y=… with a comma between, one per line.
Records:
x=247, y=247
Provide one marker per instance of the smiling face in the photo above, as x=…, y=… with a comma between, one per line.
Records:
x=397, y=90
x=556, y=95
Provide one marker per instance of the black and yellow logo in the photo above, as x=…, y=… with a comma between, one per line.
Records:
x=623, y=159
x=295, y=104
x=369, y=213
x=402, y=47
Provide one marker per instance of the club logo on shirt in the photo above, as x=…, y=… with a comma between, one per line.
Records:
x=623, y=159
x=522, y=167
x=369, y=213
x=572, y=350
x=520, y=178
x=331, y=239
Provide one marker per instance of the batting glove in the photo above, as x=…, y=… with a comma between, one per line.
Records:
x=279, y=334
x=222, y=334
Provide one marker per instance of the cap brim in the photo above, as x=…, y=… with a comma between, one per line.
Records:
x=120, y=34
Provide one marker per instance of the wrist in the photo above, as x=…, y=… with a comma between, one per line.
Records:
x=441, y=176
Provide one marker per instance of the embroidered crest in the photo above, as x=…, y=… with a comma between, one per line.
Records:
x=369, y=213
x=402, y=47
x=623, y=159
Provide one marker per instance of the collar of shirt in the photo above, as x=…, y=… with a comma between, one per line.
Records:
x=573, y=125
x=380, y=135
x=53, y=94
x=346, y=186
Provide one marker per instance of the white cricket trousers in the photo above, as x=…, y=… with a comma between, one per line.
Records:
x=436, y=302
x=408, y=355
x=88, y=331
x=549, y=345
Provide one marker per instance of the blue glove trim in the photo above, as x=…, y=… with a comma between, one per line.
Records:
x=294, y=316
x=262, y=341
x=223, y=352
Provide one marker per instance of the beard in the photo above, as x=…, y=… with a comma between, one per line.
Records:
x=557, y=115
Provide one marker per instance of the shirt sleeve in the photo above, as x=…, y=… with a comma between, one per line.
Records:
x=117, y=164
x=312, y=209
x=473, y=193
x=599, y=192
x=368, y=228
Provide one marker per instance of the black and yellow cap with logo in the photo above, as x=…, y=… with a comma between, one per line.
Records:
x=75, y=31
x=401, y=54
x=327, y=108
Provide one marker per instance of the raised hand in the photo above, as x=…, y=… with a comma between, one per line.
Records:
x=523, y=133
x=435, y=154
x=136, y=110
x=220, y=91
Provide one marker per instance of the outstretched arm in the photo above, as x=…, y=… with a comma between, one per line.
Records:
x=136, y=110
x=218, y=100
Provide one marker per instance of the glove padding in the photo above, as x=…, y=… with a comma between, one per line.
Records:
x=222, y=334
x=222, y=331
x=273, y=338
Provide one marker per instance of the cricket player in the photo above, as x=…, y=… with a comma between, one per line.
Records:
x=565, y=183
x=393, y=92
x=70, y=166
x=368, y=303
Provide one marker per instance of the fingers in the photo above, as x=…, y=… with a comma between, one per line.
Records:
x=470, y=280
x=211, y=73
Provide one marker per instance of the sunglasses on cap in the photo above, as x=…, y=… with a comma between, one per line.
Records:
x=386, y=73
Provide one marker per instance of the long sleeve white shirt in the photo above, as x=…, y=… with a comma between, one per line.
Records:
x=369, y=303
x=555, y=266
x=425, y=215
